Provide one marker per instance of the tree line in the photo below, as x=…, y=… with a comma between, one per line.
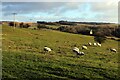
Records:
x=106, y=31
x=73, y=28
x=21, y=25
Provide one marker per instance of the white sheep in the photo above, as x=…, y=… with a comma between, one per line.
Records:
x=89, y=43
x=95, y=44
x=47, y=49
x=9, y=47
x=113, y=50
x=77, y=52
x=84, y=47
x=81, y=53
x=99, y=44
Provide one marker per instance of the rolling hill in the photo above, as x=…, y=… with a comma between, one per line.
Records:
x=24, y=58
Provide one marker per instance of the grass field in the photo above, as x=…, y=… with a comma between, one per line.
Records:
x=24, y=59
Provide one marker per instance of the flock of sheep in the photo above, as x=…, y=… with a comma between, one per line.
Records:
x=76, y=49
x=78, y=52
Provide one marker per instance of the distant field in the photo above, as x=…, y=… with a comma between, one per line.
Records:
x=53, y=26
x=100, y=25
x=23, y=56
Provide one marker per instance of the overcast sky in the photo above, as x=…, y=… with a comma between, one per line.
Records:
x=55, y=11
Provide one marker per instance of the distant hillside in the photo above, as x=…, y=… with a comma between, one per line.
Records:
x=106, y=29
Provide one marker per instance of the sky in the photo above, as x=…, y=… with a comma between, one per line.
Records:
x=55, y=11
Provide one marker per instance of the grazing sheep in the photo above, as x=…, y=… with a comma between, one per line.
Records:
x=84, y=47
x=99, y=44
x=77, y=52
x=95, y=44
x=113, y=50
x=47, y=49
x=89, y=43
x=81, y=53
x=9, y=47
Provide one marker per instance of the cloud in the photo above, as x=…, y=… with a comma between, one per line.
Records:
x=108, y=11
x=74, y=11
x=29, y=7
x=41, y=7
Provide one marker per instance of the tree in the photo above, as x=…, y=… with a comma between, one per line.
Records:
x=21, y=25
x=39, y=26
x=11, y=24
x=99, y=37
x=117, y=32
x=26, y=26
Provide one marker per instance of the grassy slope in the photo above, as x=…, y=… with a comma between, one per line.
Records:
x=25, y=58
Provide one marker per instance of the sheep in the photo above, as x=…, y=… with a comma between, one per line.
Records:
x=81, y=53
x=9, y=47
x=89, y=43
x=113, y=50
x=47, y=49
x=84, y=47
x=95, y=44
x=77, y=52
x=99, y=44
